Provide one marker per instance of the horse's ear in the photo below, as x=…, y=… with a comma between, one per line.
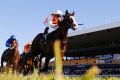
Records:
x=73, y=13
x=63, y=16
x=66, y=12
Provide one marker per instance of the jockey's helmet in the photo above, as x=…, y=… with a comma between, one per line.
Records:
x=58, y=12
x=12, y=37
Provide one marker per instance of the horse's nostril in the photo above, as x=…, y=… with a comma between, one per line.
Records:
x=74, y=24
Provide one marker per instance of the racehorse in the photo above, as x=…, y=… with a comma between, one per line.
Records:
x=46, y=48
x=11, y=56
x=26, y=67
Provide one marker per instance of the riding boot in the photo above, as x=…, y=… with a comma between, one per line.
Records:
x=46, y=30
x=45, y=33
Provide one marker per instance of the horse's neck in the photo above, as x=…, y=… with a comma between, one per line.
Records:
x=16, y=50
x=63, y=32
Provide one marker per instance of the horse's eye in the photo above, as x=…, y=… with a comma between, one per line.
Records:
x=70, y=19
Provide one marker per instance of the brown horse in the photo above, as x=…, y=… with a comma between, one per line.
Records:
x=45, y=48
x=11, y=56
x=26, y=67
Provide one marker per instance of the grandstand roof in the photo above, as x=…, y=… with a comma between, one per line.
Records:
x=95, y=28
x=93, y=36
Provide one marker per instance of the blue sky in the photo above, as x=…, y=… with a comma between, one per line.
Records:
x=24, y=18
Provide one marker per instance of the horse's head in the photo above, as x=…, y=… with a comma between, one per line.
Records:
x=70, y=21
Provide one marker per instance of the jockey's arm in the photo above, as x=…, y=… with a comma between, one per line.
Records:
x=50, y=24
x=51, y=21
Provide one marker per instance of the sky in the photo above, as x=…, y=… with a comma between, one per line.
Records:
x=24, y=18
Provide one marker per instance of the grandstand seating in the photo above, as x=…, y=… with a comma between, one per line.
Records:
x=106, y=69
x=77, y=62
x=80, y=67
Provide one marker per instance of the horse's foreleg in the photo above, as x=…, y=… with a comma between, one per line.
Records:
x=46, y=64
x=62, y=55
x=40, y=60
x=63, y=49
x=15, y=66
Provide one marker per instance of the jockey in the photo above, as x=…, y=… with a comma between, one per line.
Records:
x=9, y=41
x=27, y=47
x=56, y=17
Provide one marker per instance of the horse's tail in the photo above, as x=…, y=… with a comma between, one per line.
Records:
x=2, y=60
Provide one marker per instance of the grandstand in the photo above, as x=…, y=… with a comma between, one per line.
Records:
x=94, y=41
x=98, y=45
